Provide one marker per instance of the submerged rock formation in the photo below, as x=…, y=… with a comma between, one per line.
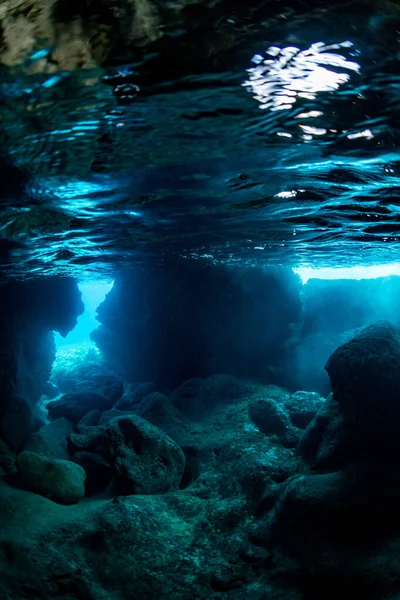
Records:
x=29, y=313
x=58, y=479
x=338, y=521
x=203, y=467
x=182, y=320
x=223, y=487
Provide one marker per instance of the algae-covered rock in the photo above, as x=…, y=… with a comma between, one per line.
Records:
x=302, y=407
x=60, y=480
x=88, y=438
x=144, y=459
x=271, y=418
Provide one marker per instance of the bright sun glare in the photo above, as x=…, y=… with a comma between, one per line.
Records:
x=372, y=272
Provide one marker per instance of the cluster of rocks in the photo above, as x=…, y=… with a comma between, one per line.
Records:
x=222, y=487
x=103, y=437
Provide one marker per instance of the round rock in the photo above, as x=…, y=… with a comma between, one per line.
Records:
x=365, y=379
x=59, y=480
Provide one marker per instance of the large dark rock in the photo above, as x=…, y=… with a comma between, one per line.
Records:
x=75, y=406
x=18, y=422
x=188, y=319
x=365, y=379
x=159, y=410
x=313, y=506
x=319, y=435
x=60, y=480
x=144, y=459
x=334, y=522
x=97, y=469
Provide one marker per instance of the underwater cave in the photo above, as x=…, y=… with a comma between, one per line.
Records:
x=199, y=300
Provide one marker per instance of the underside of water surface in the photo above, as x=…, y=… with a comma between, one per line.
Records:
x=199, y=299
x=263, y=133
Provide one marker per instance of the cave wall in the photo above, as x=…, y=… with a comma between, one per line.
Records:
x=168, y=324
x=29, y=312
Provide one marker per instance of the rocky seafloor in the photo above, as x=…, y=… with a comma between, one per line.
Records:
x=222, y=489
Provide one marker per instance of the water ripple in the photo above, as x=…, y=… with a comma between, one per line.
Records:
x=129, y=163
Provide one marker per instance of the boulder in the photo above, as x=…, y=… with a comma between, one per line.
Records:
x=159, y=410
x=352, y=505
x=88, y=438
x=51, y=439
x=7, y=457
x=365, y=380
x=91, y=418
x=134, y=394
x=319, y=508
x=313, y=435
x=302, y=407
x=97, y=469
x=271, y=418
x=143, y=458
x=60, y=480
x=109, y=415
x=18, y=423
x=75, y=406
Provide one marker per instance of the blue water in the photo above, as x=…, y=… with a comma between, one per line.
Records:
x=93, y=294
x=282, y=149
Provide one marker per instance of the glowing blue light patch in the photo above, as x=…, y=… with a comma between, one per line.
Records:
x=93, y=294
x=372, y=272
x=78, y=189
x=41, y=53
x=52, y=81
